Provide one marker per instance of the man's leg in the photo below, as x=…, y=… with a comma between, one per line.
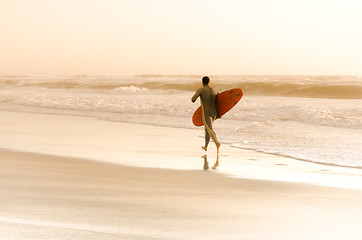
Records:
x=207, y=139
x=209, y=132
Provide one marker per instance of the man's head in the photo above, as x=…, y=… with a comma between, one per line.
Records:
x=205, y=80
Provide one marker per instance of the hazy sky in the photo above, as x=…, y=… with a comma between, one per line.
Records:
x=180, y=37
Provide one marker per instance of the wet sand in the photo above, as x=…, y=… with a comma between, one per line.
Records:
x=63, y=197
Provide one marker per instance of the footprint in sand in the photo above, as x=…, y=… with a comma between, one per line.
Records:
x=281, y=164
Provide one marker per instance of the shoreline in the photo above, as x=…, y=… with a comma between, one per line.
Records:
x=157, y=147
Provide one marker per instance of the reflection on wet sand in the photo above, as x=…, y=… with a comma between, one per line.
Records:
x=206, y=163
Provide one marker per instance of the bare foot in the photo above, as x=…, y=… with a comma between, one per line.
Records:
x=205, y=148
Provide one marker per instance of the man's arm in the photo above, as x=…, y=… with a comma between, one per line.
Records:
x=197, y=94
x=214, y=92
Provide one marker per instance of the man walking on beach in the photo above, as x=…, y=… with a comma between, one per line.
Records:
x=209, y=113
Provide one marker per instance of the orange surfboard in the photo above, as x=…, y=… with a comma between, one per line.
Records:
x=224, y=102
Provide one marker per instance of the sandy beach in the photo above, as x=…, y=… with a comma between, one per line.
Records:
x=64, y=177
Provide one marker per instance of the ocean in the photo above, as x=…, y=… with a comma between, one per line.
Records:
x=309, y=118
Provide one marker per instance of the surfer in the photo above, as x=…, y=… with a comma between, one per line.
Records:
x=208, y=102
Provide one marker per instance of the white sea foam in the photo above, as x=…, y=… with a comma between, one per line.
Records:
x=130, y=90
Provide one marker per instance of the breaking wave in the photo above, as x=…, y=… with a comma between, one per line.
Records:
x=290, y=86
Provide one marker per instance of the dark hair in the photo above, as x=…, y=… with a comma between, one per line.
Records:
x=206, y=80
